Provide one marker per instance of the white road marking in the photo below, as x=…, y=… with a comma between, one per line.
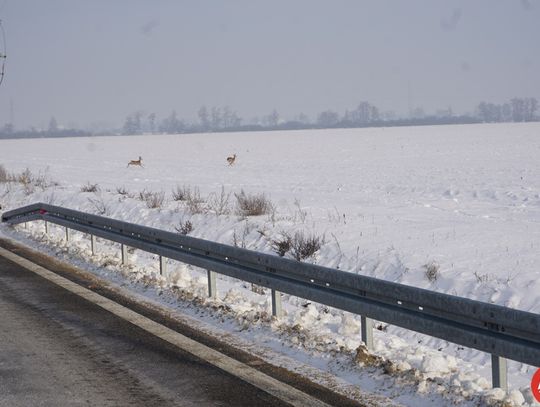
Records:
x=252, y=376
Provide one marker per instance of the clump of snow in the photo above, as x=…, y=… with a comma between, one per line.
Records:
x=349, y=326
x=179, y=277
x=494, y=395
x=515, y=398
x=528, y=396
x=435, y=365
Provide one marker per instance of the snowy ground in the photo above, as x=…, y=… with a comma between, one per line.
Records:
x=388, y=201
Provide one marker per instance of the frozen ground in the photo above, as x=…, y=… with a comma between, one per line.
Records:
x=388, y=201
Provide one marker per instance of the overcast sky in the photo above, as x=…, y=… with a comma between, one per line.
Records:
x=95, y=61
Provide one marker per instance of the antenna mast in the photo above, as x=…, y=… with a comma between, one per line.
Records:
x=3, y=51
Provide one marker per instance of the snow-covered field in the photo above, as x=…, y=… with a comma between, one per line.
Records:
x=388, y=202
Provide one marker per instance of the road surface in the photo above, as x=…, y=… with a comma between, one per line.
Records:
x=57, y=349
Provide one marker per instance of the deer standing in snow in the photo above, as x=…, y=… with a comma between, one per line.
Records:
x=136, y=162
x=231, y=159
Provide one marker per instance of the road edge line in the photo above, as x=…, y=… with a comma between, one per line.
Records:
x=238, y=369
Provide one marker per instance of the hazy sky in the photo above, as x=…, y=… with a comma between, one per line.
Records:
x=95, y=61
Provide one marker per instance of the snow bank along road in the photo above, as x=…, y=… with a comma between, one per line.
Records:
x=63, y=344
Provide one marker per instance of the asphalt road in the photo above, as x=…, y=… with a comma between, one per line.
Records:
x=58, y=349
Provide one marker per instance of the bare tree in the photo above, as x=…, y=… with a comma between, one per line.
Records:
x=152, y=122
x=203, y=118
x=132, y=124
x=365, y=113
x=518, y=109
x=216, y=118
x=327, y=118
x=272, y=119
x=172, y=124
x=531, y=105
x=53, y=125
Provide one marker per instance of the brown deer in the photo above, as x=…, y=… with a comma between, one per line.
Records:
x=136, y=162
x=231, y=159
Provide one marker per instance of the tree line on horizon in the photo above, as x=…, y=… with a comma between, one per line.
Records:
x=216, y=119
x=224, y=119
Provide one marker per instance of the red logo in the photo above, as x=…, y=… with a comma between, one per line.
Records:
x=535, y=385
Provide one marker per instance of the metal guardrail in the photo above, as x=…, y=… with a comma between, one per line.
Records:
x=502, y=332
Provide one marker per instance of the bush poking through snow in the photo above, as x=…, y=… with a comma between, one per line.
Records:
x=481, y=278
x=99, y=205
x=184, y=227
x=432, y=271
x=122, y=191
x=283, y=245
x=28, y=180
x=192, y=198
x=181, y=193
x=302, y=214
x=4, y=177
x=304, y=247
x=240, y=241
x=153, y=200
x=25, y=177
x=90, y=187
x=219, y=204
x=253, y=205
x=194, y=202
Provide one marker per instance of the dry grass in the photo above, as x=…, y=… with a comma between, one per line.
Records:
x=122, y=191
x=27, y=179
x=88, y=187
x=4, y=176
x=99, y=205
x=181, y=193
x=282, y=245
x=219, y=204
x=153, y=200
x=24, y=177
x=253, y=205
x=432, y=271
x=299, y=246
x=194, y=202
x=304, y=246
x=184, y=227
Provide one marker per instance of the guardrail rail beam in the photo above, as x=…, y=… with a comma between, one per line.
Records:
x=508, y=333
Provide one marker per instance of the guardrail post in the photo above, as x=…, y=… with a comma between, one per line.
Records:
x=67, y=234
x=498, y=372
x=366, y=331
x=46, y=227
x=212, y=292
x=162, y=265
x=124, y=251
x=277, y=311
x=93, y=243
